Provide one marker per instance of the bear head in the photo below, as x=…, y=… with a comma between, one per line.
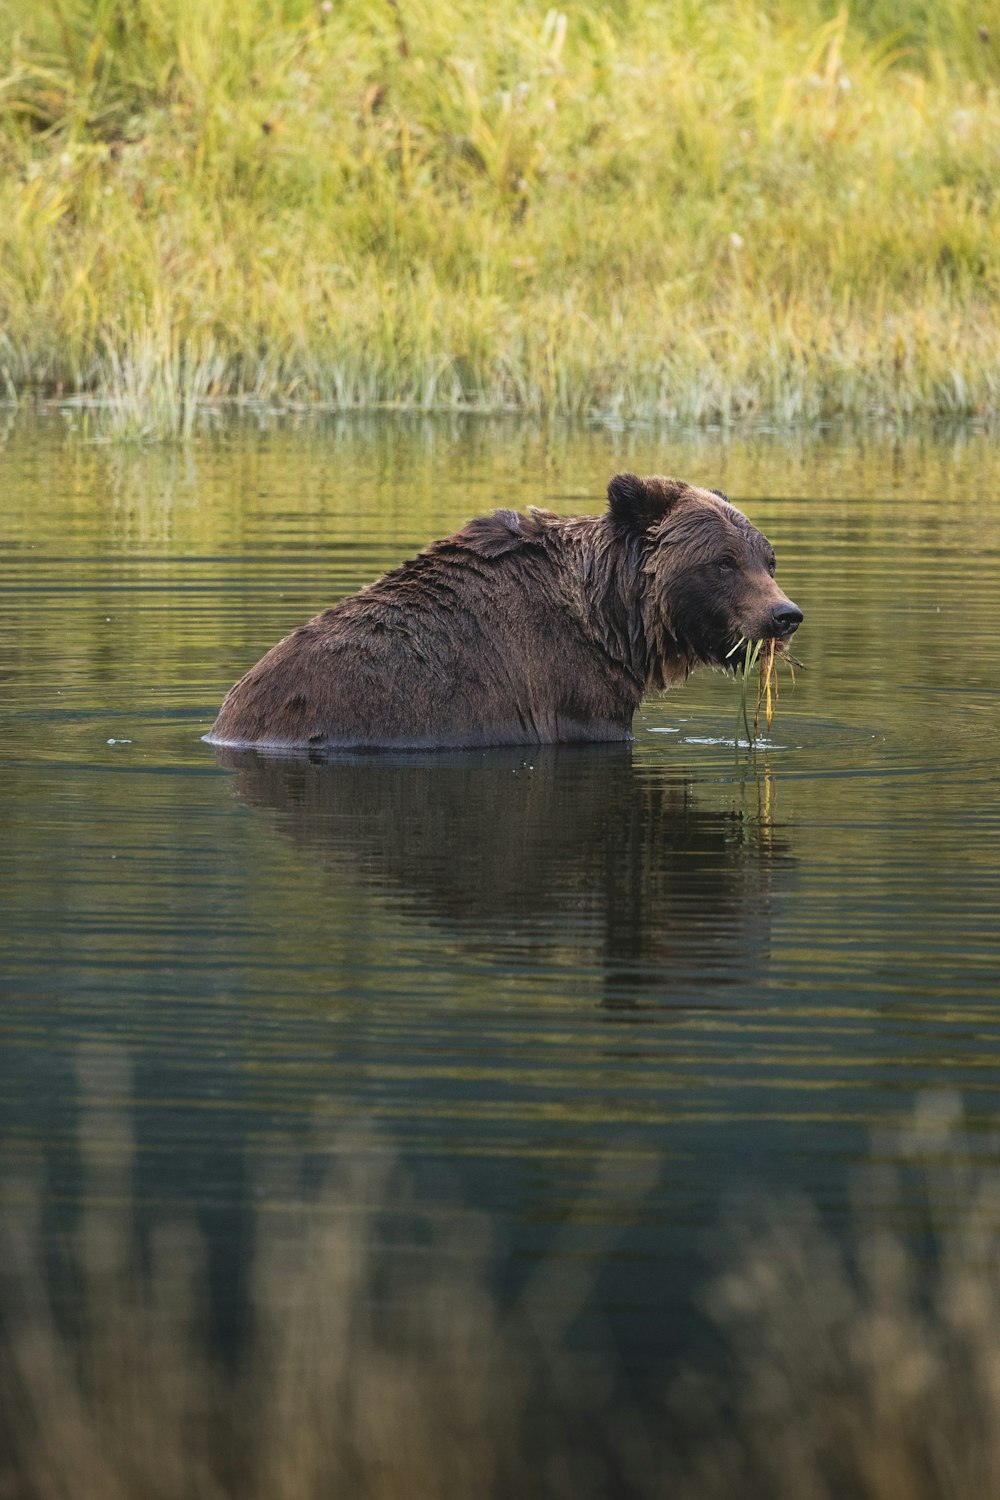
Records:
x=709, y=574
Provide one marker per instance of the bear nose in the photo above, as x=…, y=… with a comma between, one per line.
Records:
x=786, y=618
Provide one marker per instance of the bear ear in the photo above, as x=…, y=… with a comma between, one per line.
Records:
x=637, y=504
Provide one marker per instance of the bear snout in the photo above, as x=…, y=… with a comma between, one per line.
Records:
x=786, y=618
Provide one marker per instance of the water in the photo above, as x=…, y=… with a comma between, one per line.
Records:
x=588, y=994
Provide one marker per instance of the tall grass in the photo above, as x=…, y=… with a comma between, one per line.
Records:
x=868, y=1369
x=630, y=209
x=861, y=1367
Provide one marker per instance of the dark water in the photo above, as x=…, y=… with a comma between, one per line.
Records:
x=541, y=978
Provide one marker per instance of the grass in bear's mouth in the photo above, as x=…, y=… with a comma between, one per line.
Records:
x=762, y=655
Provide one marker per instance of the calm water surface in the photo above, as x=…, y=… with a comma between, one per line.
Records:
x=701, y=970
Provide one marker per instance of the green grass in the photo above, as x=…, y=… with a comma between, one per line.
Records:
x=758, y=658
x=675, y=209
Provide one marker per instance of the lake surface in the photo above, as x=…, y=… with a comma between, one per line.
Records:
x=583, y=996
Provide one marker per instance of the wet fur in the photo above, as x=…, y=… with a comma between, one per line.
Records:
x=519, y=629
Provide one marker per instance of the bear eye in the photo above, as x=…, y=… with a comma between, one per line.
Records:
x=772, y=565
x=727, y=565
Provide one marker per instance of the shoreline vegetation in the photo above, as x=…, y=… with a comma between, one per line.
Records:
x=379, y=1360
x=702, y=212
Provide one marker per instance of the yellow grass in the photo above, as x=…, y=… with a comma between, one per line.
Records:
x=704, y=211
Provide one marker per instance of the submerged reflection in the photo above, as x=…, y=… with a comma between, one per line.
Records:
x=572, y=848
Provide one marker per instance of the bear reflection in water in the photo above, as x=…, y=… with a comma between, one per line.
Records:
x=576, y=849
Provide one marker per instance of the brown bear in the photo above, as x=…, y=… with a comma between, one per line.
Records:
x=522, y=630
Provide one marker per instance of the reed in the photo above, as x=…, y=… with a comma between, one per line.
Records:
x=862, y=1364
x=383, y=1368
x=706, y=212
x=760, y=657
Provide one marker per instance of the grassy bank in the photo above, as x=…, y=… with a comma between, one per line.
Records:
x=630, y=209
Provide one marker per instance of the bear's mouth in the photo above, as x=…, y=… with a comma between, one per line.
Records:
x=782, y=652
x=736, y=657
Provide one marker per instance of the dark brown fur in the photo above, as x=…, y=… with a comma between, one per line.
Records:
x=580, y=849
x=520, y=629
